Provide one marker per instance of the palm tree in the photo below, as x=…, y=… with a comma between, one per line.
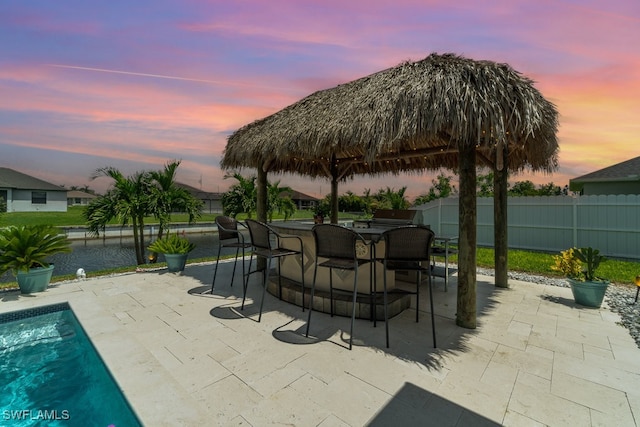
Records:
x=369, y=201
x=241, y=197
x=133, y=198
x=278, y=199
x=350, y=202
x=392, y=199
x=167, y=197
x=127, y=200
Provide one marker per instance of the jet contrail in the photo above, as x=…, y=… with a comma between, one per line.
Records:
x=158, y=76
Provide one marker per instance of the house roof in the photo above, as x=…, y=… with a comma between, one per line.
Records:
x=296, y=195
x=10, y=178
x=80, y=194
x=205, y=195
x=198, y=193
x=628, y=170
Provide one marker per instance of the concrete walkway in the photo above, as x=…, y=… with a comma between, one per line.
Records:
x=181, y=358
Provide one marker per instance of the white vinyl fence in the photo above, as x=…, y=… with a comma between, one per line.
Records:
x=609, y=223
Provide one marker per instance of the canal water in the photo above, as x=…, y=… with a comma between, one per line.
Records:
x=95, y=254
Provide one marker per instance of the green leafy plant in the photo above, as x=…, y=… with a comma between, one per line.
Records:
x=172, y=244
x=579, y=264
x=28, y=246
x=591, y=259
x=322, y=208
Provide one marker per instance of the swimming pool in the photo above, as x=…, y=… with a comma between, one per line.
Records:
x=52, y=375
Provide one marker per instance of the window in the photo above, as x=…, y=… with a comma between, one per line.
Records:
x=39, y=197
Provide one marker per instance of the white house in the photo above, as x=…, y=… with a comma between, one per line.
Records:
x=211, y=202
x=621, y=178
x=79, y=198
x=24, y=193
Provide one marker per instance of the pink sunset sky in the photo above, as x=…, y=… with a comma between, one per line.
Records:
x=133, y=85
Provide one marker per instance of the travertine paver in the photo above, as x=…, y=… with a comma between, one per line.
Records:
x=532, y=397
x=599, y=398
x=187, y=359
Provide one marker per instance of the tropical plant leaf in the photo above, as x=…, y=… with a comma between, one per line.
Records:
x=30, y=246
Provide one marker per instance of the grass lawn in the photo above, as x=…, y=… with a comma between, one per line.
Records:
x=73, y=217
x=619, y=272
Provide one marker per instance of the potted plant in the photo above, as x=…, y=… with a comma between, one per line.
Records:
x=320, y=211
x=25, y=249
x=175, y=249
x=580, y=266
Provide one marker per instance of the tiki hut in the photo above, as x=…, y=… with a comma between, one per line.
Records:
x=445, y=111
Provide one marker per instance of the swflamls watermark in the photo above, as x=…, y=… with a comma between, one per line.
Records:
x=34, y=415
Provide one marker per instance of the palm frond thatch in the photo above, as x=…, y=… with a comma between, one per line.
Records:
x=410, y=117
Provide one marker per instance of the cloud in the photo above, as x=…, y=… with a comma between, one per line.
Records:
x=135, y=85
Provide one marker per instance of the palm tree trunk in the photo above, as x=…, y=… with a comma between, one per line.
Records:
x=136, y=242
x=138, y=239
x=153, y=256
x=141, y=238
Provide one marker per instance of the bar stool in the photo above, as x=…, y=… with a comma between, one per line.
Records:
x=406, y=249
x=262, y=244
x=229, y=236
x=339, y=246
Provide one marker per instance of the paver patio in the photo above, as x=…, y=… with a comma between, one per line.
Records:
x=181, y=358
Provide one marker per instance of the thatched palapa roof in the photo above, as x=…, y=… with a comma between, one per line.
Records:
x=410, y=117
x=444, y=111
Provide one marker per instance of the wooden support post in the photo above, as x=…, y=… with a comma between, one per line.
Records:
x=261, y=208
x=261, y=203
x=334, y=191
x=500, y=223
x=466, y=303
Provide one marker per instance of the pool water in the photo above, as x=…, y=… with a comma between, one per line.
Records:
x=52, y=375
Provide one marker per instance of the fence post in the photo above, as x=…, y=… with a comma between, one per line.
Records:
x=575, y=221
x=439, y=216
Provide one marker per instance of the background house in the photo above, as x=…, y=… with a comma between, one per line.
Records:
x=24, y=193
x=302, y=201
x=211, y=202
x=621, y=178
x=79, y=198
